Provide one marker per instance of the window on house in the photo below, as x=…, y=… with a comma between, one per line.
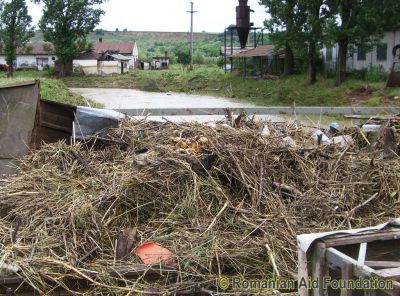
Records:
x=42, y=61
x=329, y=54
x=381, y=52
x=361, y=54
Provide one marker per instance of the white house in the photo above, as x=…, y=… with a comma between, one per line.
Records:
x=33, y=56
x=381, y=55
x=93, y=62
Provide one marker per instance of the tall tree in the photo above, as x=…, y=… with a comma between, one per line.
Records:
x=360, y=23
x=313, y=31
x=297, y=26
x=284, y=28
x=1, y=9
x=16, y=29
x=66, y=24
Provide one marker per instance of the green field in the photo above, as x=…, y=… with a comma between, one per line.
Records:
x=50, y=88
x=210, y=80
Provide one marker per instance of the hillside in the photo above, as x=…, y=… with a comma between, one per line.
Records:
x=144, y=35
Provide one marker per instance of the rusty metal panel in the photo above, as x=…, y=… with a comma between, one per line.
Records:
x=18, y=108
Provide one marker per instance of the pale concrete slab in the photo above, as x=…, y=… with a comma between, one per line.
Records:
x=136, y=99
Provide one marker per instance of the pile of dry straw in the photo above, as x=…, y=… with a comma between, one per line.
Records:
x=223, y=200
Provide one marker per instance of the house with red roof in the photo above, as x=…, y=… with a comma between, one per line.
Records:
x=108, y=58
x=33, y=56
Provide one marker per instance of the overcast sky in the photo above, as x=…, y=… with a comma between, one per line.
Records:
x=169, y=15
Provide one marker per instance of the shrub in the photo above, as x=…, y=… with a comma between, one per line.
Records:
x=376, y=74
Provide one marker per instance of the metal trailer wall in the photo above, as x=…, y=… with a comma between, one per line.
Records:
x=26, y=122
x=18, y=107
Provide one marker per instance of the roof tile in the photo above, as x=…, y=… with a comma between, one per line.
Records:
x=121, y=47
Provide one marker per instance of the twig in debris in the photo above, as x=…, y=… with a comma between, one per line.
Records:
x=169, y=121
x=353, y=210
x=261, y=187
x=88, y=254
x=254, y=230
x=341, y=157
x=87, y=165
x=364, y=136
x=146, y=129
x=271, y=257
x=217, y=217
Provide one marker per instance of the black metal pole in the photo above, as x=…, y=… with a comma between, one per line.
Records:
x=262, y=36
x=225, y=52
x=231, y=49
x=255, y=38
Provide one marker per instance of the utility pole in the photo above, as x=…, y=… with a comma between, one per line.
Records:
x=192, y=12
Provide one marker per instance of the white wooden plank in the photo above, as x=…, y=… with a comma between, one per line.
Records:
x=362, y=254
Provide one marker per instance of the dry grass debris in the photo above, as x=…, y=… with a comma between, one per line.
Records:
x=225, y=201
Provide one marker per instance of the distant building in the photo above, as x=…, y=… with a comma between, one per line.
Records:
x=268, y=60
x=106, y=58
x=33, y=56
x=380, y=56
x=265, y=61
x=144, y=65
x=160, y=63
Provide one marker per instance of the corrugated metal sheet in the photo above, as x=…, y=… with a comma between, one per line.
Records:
x=121, y=47
x=235, y=50
x=89, y=56
x=120, y=57
x=260, y=51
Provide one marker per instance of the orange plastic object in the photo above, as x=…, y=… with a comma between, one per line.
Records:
x=152, y=253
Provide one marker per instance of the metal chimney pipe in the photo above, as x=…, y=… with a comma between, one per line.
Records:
x=243, y=22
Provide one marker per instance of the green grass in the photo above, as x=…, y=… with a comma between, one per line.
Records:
x=50, y=88
x=213, y=81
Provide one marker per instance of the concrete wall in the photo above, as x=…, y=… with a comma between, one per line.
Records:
x=89, y=67
x=93, y=67
x=106, y=68
x=390, y=38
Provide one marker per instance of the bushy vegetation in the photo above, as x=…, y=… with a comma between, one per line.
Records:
x=50, y=88
x=211, y=80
